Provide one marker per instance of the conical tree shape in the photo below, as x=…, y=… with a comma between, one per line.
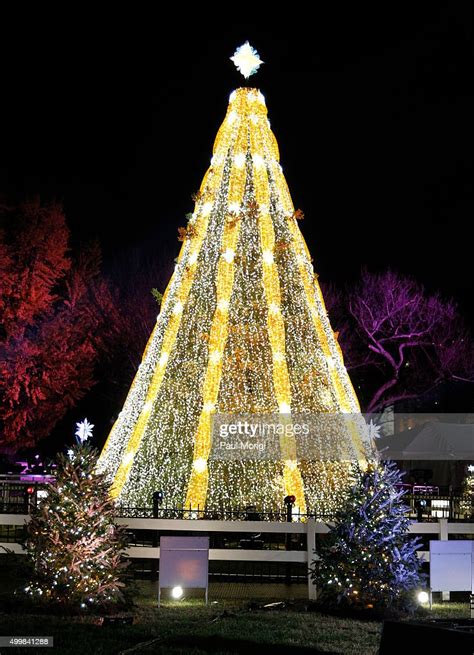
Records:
x=242, y=328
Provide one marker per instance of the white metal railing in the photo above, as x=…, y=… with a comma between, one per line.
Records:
x=439, y=530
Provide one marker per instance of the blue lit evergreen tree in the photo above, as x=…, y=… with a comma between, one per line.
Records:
x=368, y=558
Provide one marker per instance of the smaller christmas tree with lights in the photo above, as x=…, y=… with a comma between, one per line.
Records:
x=467, y=502
x=73, y=543
x=368, y=560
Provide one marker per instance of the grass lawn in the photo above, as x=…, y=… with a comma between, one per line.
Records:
x=188, y=626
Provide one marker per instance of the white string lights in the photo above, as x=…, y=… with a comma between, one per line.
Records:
x=243, y=328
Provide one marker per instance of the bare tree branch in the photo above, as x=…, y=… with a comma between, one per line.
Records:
x=401, y=341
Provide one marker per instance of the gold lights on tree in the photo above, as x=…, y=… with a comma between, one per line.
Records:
x=242, y=329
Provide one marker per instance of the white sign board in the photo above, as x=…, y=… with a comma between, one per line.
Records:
x=452, y=566
x=184, y=562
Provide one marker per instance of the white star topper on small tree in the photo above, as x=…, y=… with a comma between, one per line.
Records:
x=247, y=60
x=83, y=431
x=373, y=430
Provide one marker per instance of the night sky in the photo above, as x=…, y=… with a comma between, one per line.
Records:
x=115, y=116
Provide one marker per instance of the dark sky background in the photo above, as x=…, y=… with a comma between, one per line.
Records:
x=115, y=116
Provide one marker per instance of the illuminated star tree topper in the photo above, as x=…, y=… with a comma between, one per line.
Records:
x=247, y=60
x=83, y=431
x=374, y=430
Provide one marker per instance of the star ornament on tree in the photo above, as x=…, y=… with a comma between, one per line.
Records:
x=373, y=430
x=83, y=431
x=247, y=60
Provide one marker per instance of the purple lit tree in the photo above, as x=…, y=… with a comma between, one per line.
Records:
x=368, y=559
x=398, y=340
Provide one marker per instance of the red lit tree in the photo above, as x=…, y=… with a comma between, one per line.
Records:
x=57, y=315
x=400, y=341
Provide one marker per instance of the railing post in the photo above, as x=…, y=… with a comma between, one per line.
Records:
x=443, y=530
x=444, y=536
x=289, y=500
x=310, y=547
x=26, y=501
x=157, y=500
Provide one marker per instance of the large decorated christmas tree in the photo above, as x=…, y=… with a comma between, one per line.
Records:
x=242, y=329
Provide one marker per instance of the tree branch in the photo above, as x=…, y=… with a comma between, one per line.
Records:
x=379, y=393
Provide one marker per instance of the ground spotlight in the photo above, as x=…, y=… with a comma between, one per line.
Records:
x=177, y=592
x=423, y=597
